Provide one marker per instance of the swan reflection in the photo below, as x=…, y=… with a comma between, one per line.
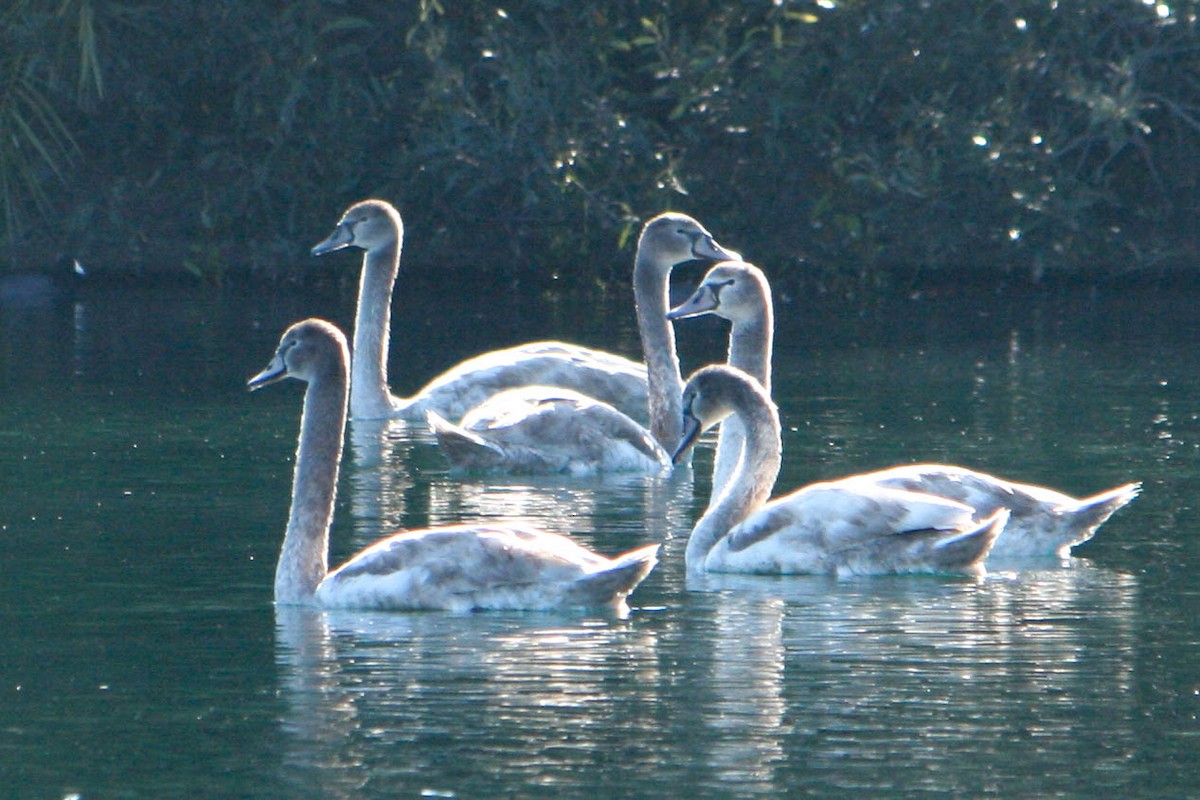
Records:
x=386, y=699
x=397, y=480
x=764, y=686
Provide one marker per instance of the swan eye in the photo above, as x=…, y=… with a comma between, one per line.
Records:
x=716, y=288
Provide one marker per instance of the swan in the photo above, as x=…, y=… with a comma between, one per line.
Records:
x=1042, y=521
x=824, y=528
x=739, y=292
x=457, y=567
x=537, y=429
x=544, y=430
x=376, y=227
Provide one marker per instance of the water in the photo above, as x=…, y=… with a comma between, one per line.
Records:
x=146, y=491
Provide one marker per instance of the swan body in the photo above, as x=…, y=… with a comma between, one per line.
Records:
x=540, y=430
x=458, y=567
x=375, y=227
x=825, y=528
x=1042, y=521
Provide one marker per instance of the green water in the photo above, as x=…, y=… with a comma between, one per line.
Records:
x=145, y=493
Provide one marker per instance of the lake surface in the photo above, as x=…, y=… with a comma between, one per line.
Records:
x=145, y=495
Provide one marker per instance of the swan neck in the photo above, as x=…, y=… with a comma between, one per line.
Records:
x=304, y=558
x=748, y=488
x=750, y=343
x=750, y=348
x=651, y=287
x=369, y=394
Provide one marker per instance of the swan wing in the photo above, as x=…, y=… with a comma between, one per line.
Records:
x=549, y=430
x=465, y=567
x=830, y=528
x=1043, y=521
x=609, y=378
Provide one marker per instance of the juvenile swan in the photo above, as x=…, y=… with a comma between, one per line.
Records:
x=739, y=292
x=375, y=227
x=1042, y=521
x=825, y=528
x=547, y=430
x=459, y=567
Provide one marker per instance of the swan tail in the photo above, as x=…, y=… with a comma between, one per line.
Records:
x=1062, y=527
x=463, y=449
x=613, y=582
x=1094, y=511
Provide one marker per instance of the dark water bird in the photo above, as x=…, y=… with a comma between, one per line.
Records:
x=30, y=290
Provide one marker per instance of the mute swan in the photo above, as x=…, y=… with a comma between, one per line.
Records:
x=825, y=528
x=548, y=430
x=375, y=227
x=739, y=292
x=543, y=430
x=459, y=567
x=1042, y=521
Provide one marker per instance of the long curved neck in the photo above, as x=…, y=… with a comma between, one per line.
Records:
x=651, y=287
x=369, y=394
x=304, y=558
x=748, y=489
x=750, y=344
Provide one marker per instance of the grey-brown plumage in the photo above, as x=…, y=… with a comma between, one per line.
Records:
x=375, y=227
x=458, y=567
x=841, y=529
x=540, y=429
x=1042, y=521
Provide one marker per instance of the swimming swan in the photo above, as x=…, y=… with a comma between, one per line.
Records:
x=537, y=429
x=1042, y=521
x=824, y=528
x=739, y=292
x=458, y=567
x=375, y=227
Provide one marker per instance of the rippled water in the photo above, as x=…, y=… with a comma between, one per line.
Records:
x=145, y=493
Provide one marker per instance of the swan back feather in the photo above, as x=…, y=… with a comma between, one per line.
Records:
x=546, y=430
x=1043, y=521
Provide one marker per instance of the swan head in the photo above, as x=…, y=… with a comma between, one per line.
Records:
x=713, y=393
x=733, y=290
x=674, y=238
x=307, y=351
x=367, y=225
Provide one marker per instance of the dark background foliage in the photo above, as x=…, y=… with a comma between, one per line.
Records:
x=846, y=143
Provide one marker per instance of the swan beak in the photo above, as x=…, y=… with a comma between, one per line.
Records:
x=702, y=302
x=705, y=247
x=275, y=372
x=691, y=432
x=342, y=236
